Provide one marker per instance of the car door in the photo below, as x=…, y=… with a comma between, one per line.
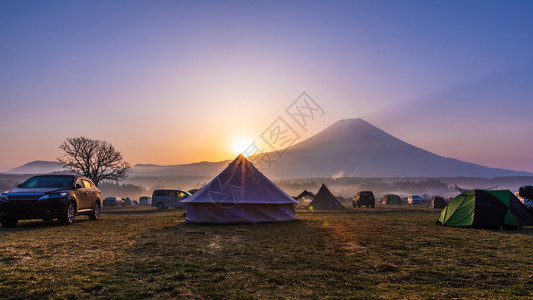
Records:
x=170, y=198
x=91, y=194
x=81, y=194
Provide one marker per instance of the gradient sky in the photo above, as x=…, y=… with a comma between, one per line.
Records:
x=171, y=82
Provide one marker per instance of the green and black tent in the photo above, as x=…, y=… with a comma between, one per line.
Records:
x=484, y=208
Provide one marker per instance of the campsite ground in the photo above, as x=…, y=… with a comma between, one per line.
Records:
x=386, y=252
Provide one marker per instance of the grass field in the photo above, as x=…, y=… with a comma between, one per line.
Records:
x=386, y=252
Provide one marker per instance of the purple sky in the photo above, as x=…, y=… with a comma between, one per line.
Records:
x=172, y=82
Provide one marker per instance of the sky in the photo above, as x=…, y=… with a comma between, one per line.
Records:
x=171, y=82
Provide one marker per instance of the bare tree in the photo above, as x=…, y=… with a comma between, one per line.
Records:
x=95, y=159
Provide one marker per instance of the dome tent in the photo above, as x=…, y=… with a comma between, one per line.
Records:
x=484, y=208
x=392, y=199
x=239, y=194
x=437, y=202
x=324, y=199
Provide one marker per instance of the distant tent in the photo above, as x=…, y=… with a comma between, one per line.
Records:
x=461, y=190
x=392, y=199
x=437, y=202
x=239, y=194
x=305, y=193
x=324, y=199
x=127, y=202
x=485, y=208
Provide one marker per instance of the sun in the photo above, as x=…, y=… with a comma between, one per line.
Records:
x=239, y=145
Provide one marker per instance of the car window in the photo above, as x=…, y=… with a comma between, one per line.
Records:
x=48, y=181
x=169, y=193
x=87, y=184
x=80, y=182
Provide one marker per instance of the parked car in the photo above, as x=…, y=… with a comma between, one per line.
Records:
x=414, y=199
x=145, y=200
x=113, y=201
x=365, y=198
x=528, y=202
x=48, y=197
x=165, y=198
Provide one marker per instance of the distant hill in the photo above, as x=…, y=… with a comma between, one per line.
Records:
x=194, y=169
x=356, y=148
x=38, y=167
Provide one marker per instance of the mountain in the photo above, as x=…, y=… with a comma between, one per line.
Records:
x=38, y=167
x=356, y=148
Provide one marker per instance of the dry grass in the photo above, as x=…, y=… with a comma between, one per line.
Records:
x=386, y=252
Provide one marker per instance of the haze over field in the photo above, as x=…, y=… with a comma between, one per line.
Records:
x=170, y=82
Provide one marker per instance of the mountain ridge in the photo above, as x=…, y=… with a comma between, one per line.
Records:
x=347, y=148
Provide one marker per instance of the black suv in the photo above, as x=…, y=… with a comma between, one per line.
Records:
x=365, y=198
x=50, y=197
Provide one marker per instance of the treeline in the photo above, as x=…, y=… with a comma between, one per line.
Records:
x=122, y=190
x=427, y=184
x=297, y=186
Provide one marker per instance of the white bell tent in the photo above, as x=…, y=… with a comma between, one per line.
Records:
x=240, y=194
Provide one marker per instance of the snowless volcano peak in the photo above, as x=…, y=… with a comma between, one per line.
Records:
x=347, y=132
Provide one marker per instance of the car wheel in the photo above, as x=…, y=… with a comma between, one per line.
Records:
x=358, y=205
x=160, y=205
x=69, y=215
x=95, y=215
x=8, y=222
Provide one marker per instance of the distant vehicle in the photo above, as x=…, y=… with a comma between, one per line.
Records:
x=365, y=198
x=526, y=192
x=414, y=199
x=165, y=198
x=113, y=201
x=48, y=197
x=145, y=200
